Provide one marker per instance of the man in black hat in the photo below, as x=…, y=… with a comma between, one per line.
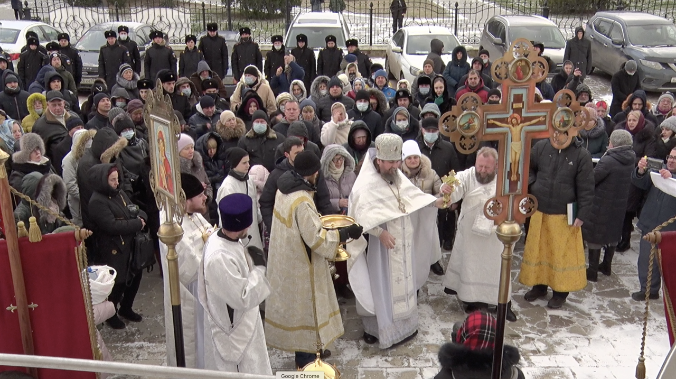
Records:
x=51, y=127
x=305, y=57
x=13, y=98
x=211, y=87
x=204, y=119
x=362, y=111
x=30, y=62
x=144, y=87
x=7, y=61
x=132, y=46
x=158, y=57
x=33, y=34
x=73, y=55
x=275, y=57
x=246, y=52
x=100, y=107
x=335, y=95
x=328, y=62
x=191, y=55
x=180, y=102
x=363, y=60
x=111, y=57
x=403, y=98
x=73, y=124
x=215, y=50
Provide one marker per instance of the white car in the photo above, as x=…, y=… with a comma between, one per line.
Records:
x=409, y=47
x=13, y=35
x=316, y=26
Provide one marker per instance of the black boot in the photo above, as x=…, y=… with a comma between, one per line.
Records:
x=593, y=270
x=511, y=316
x=437, y=268
x=623, y=246
x=605, y=266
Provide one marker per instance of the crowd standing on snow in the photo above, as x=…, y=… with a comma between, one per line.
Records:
x=302, y=136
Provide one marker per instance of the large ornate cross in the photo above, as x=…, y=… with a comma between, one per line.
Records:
x=514, y=124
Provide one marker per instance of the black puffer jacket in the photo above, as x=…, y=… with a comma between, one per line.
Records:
x=51, y=131
x=273, y=60
x=610, y=196
x=370, y=117
x=14, y=102
x=328, y=62
x=644, y=144
x=622, y=85
x=112, y=223
x=322, y=197
x=558, y=177
x=30, y=63
x=579, y=52
x=261, y=148
x=358, y=153
x=460, y=362
x=363, y=63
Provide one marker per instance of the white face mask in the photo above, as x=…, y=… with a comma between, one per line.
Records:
x=281, y=108
x=186, y=91
x=128, y=134
x=249, y=80
x=485, y=60
x=323, y=92
x=277, y=46
x=123, y=36
x=362, y=106
x=431, y=137
x=260, y=127
x=401, y=125
x=39, y=111
x=424, y=90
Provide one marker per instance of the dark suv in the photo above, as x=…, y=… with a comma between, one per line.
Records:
x=649, y=40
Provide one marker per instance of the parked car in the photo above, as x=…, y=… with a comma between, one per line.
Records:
x=316, y=26
x=13, y=35
x=649, y=40
x=409, y=47
x=500, y=31
x=90, y=44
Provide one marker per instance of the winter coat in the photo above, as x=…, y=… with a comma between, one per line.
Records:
x=662, y=148
x=546, y=90
x=180, y=103
x=626, y=104
x=111, y=57
x=157, y=58
x=411, y=133
x=30, y=62
x=69, y=169
x=282, y=83
x=363, y=62
x=273, y=60
x=68, y=80
x=195, y=95
x=413, y=110
x=187, y=64
x=38, y=85
x=306, y=59
x=610, y=125
x=229, y=138
x=442, y=155
x=135, y=164
x=261, y=87
x=106, y=146
x=426, y=179
x=398, y=8
x=215, y=51
x=129, y=86
x=51, y=131
x=216, y=167
x=595, y=140
x=328, y=62
x=97, y=121
x=480, y=90
x=261, y=148
x=455, y=70
x=370, y=117
x=579, y=52
x=28, y=121
x=245, y=54
x=622, y=85
x=562, y=176
x=560, y=80
x=43, y=188
x=610, y=196
x=21, y=165
x=134, y=53
x=341, y=188
x=388, y=91
x=358, y=154
x=197, y=80
x=112, y=223
x=283, y=127
x=321, y=198
x=436, y=47
x=488, y=81
x=243, y=113
x=14, y=102
x=200, y=123
x=315, y=95
x=659, y=206
x=460, y=362
x=72, y=102
x=643, y=144
x=195, y=167
x=325, y=103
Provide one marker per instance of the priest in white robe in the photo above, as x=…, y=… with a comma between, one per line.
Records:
x=231, y=285
x=238, y=181
x=391, y=210
x=473, y=272
x=196, y=230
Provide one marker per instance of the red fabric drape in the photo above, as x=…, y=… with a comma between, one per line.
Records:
x=668, y=268
x=59, y=321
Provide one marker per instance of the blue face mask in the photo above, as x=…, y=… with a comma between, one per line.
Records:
x=431, y=137
x=128, y=134
x=186, y=92
x=260, y=127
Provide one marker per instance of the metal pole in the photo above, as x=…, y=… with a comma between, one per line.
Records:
x=508, y=233
x=287, y=16
x=230, y=15
x=14, y=256
x=371, y=24
x=456, y=19
x=170, y=233
x=117, y=12
x=204, y=17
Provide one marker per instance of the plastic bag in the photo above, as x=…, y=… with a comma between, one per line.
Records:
x=101, y=281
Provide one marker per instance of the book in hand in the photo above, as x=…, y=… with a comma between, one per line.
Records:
x=571, y=212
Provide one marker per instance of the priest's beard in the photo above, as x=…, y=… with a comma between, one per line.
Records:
x=391, y=176
x=484, y=178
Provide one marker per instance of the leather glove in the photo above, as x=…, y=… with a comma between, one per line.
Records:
x=257, y=256
x=353, y=231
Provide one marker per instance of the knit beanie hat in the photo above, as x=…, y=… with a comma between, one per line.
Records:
x=666, y=95
x=185, y=140
x=495, y=91
x=335, y=82
x=122, y=122
x=361, y=95
x=74, y=122
x=98, y=97
x=235, y=155
x=306, y=163
x=207, y=102
x=409, y=148
x=114, y=112
x=251, y=70
x=669, y=123
x=259, y=115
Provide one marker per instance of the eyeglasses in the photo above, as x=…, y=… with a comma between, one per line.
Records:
x=671, y=157
x=338, y=159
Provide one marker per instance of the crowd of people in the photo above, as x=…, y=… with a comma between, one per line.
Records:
x=301, y=137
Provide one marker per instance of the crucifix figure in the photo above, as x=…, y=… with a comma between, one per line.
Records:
x=515, y=125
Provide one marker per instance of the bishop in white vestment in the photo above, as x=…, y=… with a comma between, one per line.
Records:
x=473, y=272
x=196, y=229
x=392, y=211
x=231, y=285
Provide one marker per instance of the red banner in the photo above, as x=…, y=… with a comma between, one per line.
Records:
x=668, y=268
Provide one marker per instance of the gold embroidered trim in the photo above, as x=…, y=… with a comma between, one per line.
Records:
x=302, y=327
x=288, y=221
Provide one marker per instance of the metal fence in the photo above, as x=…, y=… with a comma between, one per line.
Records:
x=369, y=21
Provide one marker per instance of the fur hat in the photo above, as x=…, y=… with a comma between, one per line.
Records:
x=212, y=27
x=166, y=76
x=236, y=212
x=145, y=84
x=122, y=28
x=110, y=33
x=388, y=147
x=191, y=37
x=31, y=141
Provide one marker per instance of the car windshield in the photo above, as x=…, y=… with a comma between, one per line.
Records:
x=652, y=35
x=8, y=35
x=92, y=40
x=420, y=45
x=550, y=36
x=315, y=36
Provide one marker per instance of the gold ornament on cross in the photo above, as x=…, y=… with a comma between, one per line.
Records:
x=452, y=181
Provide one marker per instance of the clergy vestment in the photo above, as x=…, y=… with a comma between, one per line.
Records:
x=385, y=281
x=189, y=251
x=230, y=289
x=474, y=268
x=298, y=272
x=233, y=185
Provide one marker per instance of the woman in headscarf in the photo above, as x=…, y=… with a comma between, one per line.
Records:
x=126, y=79
x=191, y=163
